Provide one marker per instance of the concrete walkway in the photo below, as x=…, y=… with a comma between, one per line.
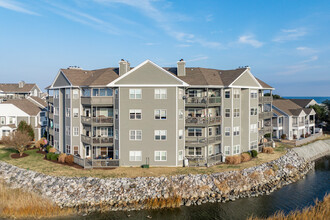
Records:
x=314, y=150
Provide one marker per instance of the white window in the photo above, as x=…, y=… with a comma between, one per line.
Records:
x=160, y=135
x=193, y=132
x=57, y=127
x=56, y=111
x=227, y=112
x=210, y=150
x=227, y=150
x=236, y=112
x=3, y=120
x=181, y=114
x=160, y=155
x=135, y=114
x=227, y=131
x=135, y=93
x=12, y=119
x=67, y=130
x=75, y=131
x=135, y=156
x=254, y=94
x=236, y=131
x=76, y=112
x=180, y=155
x=253, y=128
x=104, y=131
x=236, y=93
x=160, y=114
x=180, y=134
x=195, y=151
x=160, y=93
x=68, y=149
x=236, y=149
x=254, y=111
x=67, y=112
x=135, y=135
x=253, y=145
x=75, y=94
x=87, y=150
x=67, y=93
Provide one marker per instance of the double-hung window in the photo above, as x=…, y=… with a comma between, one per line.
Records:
x=180, y=155
x=135, y=114
x=135, y=135
x=57, y=127
x=3, y=120
x=68, y=149
x=75, y=150
x=236, y=112
x=194, y=132
x=160, y=93
x=160, y=155
x=254, y=111
x=135, y=155
x=236, y=149
x=135, y=94
x=75, y=93
x=254, y=94
x=67, y=130
x=253, y=145
x=227, y=150
x=236, y=93
x=56, y=94
x=227, y=112
x=227, y=131
x=75, y=112
x=67, y=93
x=56, y=111
x=160, y=114
x=227, y=94
x=75, y=131
x=180, y=134
x=160, y=135
x=67, y=112
x=236, y=131
x=253, y=128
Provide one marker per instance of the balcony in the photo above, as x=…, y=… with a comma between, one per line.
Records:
x=50, y=99
x=203, y=101
x=106, y=121
x=265, y=99
x=202, y=141
x=51, y=115
x=97, y=141
x=265, y=130
x=265, y=115
x=97, y=100
x=300, y=124
x=202, y=121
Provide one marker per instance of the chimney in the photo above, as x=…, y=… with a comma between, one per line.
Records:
x=181, y=71
x=124, y=67
x=21, y=84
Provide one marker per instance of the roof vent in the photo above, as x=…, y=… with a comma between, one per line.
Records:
x=74, y=68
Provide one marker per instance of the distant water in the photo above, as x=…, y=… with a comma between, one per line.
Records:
x=318, y=99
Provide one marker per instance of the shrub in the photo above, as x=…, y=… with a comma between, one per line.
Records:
x=268, y=150
x=40, y=143
x=294, y=136
x=283, y=136
x=24, y=127
x=49, y=155
x=52, y=150
x=245, y=157
x=249, y=153
x=254, y=153
x=69, y=159
x=48, y=147
x=233, y=159
x=54, y=156
x=267, y=135
x=61, y=158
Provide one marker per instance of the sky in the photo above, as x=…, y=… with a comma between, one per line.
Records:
x=286, y=43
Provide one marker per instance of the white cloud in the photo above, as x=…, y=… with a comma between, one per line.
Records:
x=150, y=44
x=14, y=6
x=299, y=67
x=198, y=59
x=290, y=35
x=183, y=45
x=311, y=59
x=249, y=39
x=306, y=51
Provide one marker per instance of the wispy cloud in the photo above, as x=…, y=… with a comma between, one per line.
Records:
x=290, y=35
x=311, y=59
x=250, y=40
x=299, y=67
x=183, y=45
x=148, y=9
x=198, y=59
x=306, y=51
x=209, y=17
x=15, y=6
x=150, y=44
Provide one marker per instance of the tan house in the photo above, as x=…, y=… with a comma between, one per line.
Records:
x=158, y=116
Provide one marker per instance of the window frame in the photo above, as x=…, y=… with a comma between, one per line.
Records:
x=133, y=94
x=136, y=157
x=135, y=112
x=160, y=156
x=135, y=135
x=160, y=114
x=160, y=93
x=161, y=134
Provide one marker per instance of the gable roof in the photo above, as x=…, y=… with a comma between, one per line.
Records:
x=302, y=102
x=263, y=84
x=14, y=87
x=290, y=108
x=25, y=105
x=39, y=101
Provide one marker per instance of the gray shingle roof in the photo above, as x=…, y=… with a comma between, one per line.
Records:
x=25, y=105
x=13, y=87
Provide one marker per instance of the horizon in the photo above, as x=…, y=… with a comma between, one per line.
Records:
x=286, y=44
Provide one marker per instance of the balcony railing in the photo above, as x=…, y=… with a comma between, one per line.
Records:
x=97, y=100
x=97, y=140
x=199, y=140
x=50, y=99
x=264, y=115
x=264, y=99
x=203, y=100
x=300, y=124
x=97, y=120
x=95, y=163
x=200, y=161
x=203, y=121
x=265, y=130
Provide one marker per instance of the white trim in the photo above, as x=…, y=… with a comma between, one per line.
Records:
x=248, y=71
x=160, y=155
x=245, y=87
x=144, y=85
x=58, y=74
x=113, y=83
x=176, y=126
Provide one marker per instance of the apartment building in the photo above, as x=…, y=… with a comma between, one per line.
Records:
x=18, y=90
x=293, y=120
x=158, y=116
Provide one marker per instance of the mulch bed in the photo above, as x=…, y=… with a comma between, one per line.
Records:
x=16, y=156
x=65, y=164
x=41, y=152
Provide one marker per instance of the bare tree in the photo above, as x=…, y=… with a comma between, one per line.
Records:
x=17, y=140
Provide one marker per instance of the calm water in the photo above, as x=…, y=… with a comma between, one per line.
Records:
x=294, y=196
x=318, y=99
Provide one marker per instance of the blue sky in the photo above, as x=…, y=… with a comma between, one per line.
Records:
x=286, y=43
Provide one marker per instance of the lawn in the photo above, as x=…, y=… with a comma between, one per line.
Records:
x=36, y=162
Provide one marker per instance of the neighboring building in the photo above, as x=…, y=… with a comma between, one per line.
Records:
x=304, y=103
x=148, y=114
x=32, y=110
x=292, y=119
x=19, y=90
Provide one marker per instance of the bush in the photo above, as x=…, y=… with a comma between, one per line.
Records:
x=69, y=159
x=54, y=156
x=294, y=136
x=249, y=153
x=267, y=135
x=48, y=147
x=245, y=157
x=283, y=136
x=24, y=127
x=52, y=150
x=40, y=143
x=233, y=159
x=254, y=153
x=49, y=156
x=268, y=150
x=61, y=158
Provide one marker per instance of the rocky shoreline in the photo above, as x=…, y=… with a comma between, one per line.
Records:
x=94, y=194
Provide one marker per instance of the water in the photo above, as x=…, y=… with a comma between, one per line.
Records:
x=294, y=196
x=318, y=99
